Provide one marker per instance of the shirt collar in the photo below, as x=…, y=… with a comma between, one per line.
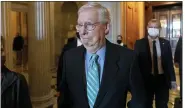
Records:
x=100, y=53
x=79, y=43
x=150, y=39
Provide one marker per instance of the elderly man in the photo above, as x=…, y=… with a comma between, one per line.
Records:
x=99, y=73
x=14, y=88
x=156, y=65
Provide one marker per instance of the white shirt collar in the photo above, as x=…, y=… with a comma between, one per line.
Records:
x=150, y=39
x=79, y=43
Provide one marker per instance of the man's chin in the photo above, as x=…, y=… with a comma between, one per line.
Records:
x=91, y=48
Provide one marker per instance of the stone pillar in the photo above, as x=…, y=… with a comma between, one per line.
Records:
x=52, y=33
x=39, y=63
x=6, y=32
x=141, y=19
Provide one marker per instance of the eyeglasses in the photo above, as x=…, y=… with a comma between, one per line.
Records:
x=154, y=27
x=87, y=26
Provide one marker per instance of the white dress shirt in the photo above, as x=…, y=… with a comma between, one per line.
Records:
x=158, y=48
x=79, y=43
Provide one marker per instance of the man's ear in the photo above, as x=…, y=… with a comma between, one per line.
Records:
x=107, y=28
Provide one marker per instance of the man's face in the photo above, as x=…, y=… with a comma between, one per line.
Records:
x=119, y=38
x=153, y=29
x=91, y=31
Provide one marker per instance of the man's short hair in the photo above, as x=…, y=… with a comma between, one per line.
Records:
x=104, y=15
x=155, y=21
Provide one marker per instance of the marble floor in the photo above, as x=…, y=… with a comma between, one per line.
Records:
x=173, y=94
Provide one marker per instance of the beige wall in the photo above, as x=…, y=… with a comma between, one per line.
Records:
x=140, y=20
x=123, y=21
x=14, y=23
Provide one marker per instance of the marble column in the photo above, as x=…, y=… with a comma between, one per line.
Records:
x=52, y=33
x=6, y=32
x=39, y=62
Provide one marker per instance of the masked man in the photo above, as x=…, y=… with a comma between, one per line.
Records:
x=156, y=65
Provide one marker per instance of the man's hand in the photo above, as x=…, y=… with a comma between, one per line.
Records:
x=176, y=65
x=57, y=94
x=173, y=85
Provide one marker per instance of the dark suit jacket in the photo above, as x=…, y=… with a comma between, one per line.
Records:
x=121, y=73
x=14, y=90
x=72, y=43
x=178, y=54
x=18, y=43
x=142, y=48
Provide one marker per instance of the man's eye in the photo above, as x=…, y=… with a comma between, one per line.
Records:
x=89, y=24
x=80, y=25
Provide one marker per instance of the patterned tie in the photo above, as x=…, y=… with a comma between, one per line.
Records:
x=93, y=80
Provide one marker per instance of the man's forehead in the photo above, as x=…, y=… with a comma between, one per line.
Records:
x=153, y=24
x=90, y=15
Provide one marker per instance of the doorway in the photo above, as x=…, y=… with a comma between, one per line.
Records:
x=171, y=23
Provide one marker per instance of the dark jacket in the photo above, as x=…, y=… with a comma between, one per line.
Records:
x=142, y=48
x=120, y=74
x=72, y=43
x=18, y=43
x=14, y=90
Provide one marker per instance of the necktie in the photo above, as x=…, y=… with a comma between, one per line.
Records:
x=155, y=62
x=93, y=80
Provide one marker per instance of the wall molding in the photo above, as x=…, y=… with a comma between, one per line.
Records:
x=43, y=101
x=19, y=6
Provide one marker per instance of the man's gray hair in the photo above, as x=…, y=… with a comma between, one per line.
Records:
x=104, y=15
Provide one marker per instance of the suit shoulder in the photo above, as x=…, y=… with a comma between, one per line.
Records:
x=17, y=75
x=11, y=73
x=142, y=39
x=73, y=51
x=11, y=77
x=68, y=45
x=164, y=40
x=125, y=51
x=20, y=76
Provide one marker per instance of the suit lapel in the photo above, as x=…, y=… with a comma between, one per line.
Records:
x=162, y=45
x=148, y=52
x=81, y=64
x=109, y=71
x=8, y=79
x=75, y=43
x=4, y=85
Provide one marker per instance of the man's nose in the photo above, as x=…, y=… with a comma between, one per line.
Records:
x=83, y=30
